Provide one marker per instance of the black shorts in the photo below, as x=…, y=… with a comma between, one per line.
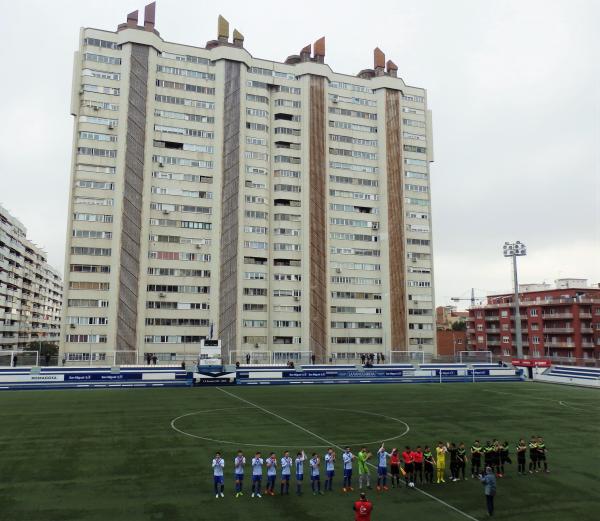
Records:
x=533, y=457
x=408, y=467
x=418, y=467
x=395, y=469
x=476, y=462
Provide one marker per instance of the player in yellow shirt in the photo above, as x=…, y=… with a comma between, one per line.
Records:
x=440, y=451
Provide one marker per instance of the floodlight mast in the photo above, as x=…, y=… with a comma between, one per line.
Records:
x=514, y=250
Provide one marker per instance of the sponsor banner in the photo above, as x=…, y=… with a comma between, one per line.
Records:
x=531, y=362
x=479, y=372
x=31, y=377
x=447, y=372
x=214, y=378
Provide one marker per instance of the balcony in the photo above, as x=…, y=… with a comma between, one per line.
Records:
x=586, y=329
x=557, y=316
x=493, y=331
x=585, y=315
x=568, y=345
x=493, y=342
x=559, y=330
x=492, y=318
x=587, y=344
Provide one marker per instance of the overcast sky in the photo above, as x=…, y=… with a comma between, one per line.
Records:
x=514, y=87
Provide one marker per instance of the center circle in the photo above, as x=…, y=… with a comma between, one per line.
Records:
x=299, y=427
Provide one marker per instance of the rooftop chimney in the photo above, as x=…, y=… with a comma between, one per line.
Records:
x=132, y=19
x=149, y=17
x=319, y=50
x=305, y=53
x=392, y=69
x=379, y=61
x=223, y=29
x=238, y=38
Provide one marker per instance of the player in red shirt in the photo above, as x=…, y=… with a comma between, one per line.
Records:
x=395, y=467
x=409, y=466
x=418, y=464
x=362, y=508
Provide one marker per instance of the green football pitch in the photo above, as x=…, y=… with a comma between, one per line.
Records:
x=111, y=455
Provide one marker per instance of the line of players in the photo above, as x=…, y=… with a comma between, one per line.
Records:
x=414, y=465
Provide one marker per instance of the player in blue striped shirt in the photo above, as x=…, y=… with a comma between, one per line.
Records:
x=238, y=463
x=299, y=463
x=257, y=471
x=315, y=474
x=347, y=458
x=218, y=464
x=271, y=474
x=382, y=457
x=286, y=471
x=329, y=468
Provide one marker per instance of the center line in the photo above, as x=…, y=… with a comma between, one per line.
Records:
x=468, y=516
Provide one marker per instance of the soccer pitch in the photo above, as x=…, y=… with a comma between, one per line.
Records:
x=114, y=454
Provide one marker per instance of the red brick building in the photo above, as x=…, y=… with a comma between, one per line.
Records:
x=563, y=321
x=450, y=343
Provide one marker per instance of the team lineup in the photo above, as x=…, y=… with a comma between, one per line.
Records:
x=418, y=466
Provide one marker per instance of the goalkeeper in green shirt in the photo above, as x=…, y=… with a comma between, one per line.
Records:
x=363, y=468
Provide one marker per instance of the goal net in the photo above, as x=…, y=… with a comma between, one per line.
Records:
x=409, y=357
x=19, y=358
x=475, y=357
x=250, y=357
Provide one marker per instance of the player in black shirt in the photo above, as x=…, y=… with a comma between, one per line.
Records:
x=521, y=454
x=541, y=448
x=476, y=452
x=453, y=451
x=533, y=454
x=429, y=463
x=488, y=454
x=461, y=458
x=504, y=456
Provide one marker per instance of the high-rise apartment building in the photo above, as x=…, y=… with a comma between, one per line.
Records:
x=279, y=207
x=30, y=290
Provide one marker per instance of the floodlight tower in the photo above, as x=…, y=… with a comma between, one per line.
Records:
x=514, y=250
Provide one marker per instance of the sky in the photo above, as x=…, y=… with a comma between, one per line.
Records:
x=514, y=87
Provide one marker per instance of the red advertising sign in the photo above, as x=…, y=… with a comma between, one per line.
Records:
x=531, y=362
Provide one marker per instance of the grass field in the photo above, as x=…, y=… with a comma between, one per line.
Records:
x=113, y=454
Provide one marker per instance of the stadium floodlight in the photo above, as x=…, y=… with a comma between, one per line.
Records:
x=514, y=250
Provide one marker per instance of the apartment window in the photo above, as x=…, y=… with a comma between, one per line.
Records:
x=92, y=73
x=413, y=123
x=101, y=43
x=354, y=168
x=255, y=229
x=535, y=339
x=288, y=103
x=87, y=303
x=92, y=217
x=480, y=339
x=98, y=137
x=415, y=175
x=183, y=116
x=185, y=72
x=92, y=234
x=503, y=313
x=505, y=340
x=200, y=104
x=260, y=127
x=255, y=275
x=504, y=327
x=287, y=323
x=97, y=286
x=418, y=137
x=257, y=245
x=255, y=292
x=250, y=140
x=185, y=58
x=288, y=90
x=82, y=250
x=416, y=162
x=94, y=120
x=259, y=113
x=99, y=89
x=413, y=148
x=96, y=185
x=352, y=126
x=101, y=58
x=352, y=113
x=413, y=97
x=257, y=99
x=479, y=327
x=533, y=312
x=185, y=86
x=98, y=152
x=416, y=188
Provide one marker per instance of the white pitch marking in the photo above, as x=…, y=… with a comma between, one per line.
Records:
x=468, y=516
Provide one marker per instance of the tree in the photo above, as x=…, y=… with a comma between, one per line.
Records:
x=459, y=325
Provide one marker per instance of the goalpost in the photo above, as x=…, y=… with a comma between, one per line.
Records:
x=407, y=357
x=474, y=357
x=250, y=357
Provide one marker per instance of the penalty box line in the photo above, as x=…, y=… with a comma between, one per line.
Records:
x=315, y=435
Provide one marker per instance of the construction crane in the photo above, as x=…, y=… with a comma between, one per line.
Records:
x=472, y=299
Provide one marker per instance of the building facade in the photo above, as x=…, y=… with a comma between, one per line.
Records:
x=30, y=290
x=556, y=321
x=279, y=207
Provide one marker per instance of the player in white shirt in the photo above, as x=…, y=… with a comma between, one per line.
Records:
x=286, y=471
x=271, y=474
x=257, y=472
x=299, y=464
x=329, y=468
x=382, y=457
x=347, y=458
x=238, y=463
x=218, y=464
x=315, y=474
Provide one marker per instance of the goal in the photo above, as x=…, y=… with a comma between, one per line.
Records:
x=19, y=358
x=475, y=357
x=407, y=357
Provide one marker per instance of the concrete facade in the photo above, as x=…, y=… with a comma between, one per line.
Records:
x=282, y=207
x=30, y=290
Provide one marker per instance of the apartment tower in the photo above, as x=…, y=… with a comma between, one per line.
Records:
x=280, y=207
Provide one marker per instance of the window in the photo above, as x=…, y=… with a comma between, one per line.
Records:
x=92, y=234
x=185, y=86
x=93, y=217
x=336, y=98
x=98, y=152
x=98, y=137
x=92, y=73
x=259, y=113
x=352, y=153
x=99, y=89
x=79, y=250
x=90, y=285
x=185, y=58
x=87, y=303
x=96, y=185
x=209, y=134
x=416, y=162
x=415, y=175
x=195, y=163
x=183, y=116
x=505, y=340
x=353, y=140
x=350, y=86
x=504, y=313
x=257, y=99
x=413, y=123
x=101, y=58
x=98, y=121
x=185, y=72
x=352, y=126
x=354, y=167
x=533, y=312
x=183, y=101
x=101, y=43
x=479, y=327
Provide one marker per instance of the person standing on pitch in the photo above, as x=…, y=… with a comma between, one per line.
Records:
x=521, y=456
x=315, y=474
x=363, y=469
x=395, y=467
x=271, y=474
x=286, y=471
x=489, y=482
x=347, y=458
x=257, y=472
x=429, y=463
x=382, y=468
x=541, y=456
x=461, y=461
x=362, y=508
x=418, y=464
x=329, y=469
x=533, y=454
x=238, y=463
x=440, y=452
x=453, y=450
x=218, y=464
x=476, y=451
x=300, y=459
x=409, y=466
x=504, y=457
